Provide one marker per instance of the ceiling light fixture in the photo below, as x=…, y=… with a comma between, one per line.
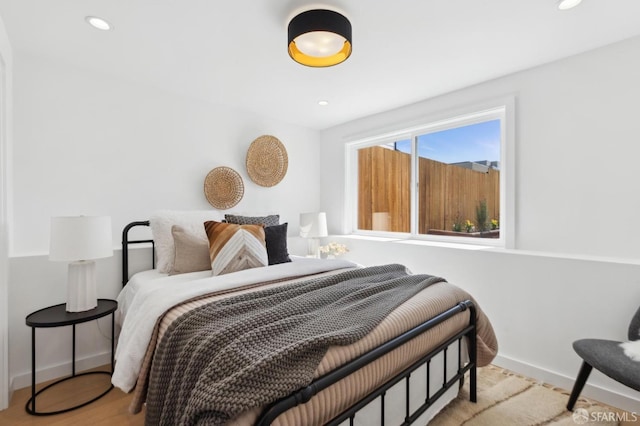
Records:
x=98, y=23
x=319, y=38
x=568, y=4
x=323, y=103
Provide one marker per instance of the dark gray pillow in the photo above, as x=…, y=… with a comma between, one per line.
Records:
x=276, y=241
x=634, y=326
x=270, y=220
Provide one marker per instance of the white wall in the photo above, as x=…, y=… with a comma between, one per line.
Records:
x=6, y=65
x=90, y=144
x=575, y=271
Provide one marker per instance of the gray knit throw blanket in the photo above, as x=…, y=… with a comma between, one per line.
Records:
x=249, y=350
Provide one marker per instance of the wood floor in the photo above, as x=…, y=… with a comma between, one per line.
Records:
x=111, y=409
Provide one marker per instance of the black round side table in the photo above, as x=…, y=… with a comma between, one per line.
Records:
x=57, y=316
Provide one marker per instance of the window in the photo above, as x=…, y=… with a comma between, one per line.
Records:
x=444, y=180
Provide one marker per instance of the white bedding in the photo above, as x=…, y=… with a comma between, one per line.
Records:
x=150, y=294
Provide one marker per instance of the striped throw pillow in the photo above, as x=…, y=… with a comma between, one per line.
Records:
x=235, y=247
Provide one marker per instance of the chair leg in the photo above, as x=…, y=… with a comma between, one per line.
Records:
x=585, y=370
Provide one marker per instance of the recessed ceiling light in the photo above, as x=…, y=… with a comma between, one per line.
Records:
x=98, y=23
x=568, y=4
x=323, y=103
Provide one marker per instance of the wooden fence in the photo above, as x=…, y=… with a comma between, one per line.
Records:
x=446, y=192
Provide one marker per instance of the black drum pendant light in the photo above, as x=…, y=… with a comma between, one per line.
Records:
x=319, y=38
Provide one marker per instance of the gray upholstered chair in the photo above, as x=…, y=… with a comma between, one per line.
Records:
x=608, y=357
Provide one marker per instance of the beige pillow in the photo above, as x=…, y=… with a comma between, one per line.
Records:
x=234, y=248
x=191, y=251
x=161, y=222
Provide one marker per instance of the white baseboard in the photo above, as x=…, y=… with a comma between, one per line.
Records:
x=604, y=395
x=61, y=370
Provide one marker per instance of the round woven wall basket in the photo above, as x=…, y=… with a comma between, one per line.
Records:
x=223, y=187
x=267, y=161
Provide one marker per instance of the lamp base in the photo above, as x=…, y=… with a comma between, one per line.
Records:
x=313, y=247
x=81, y=286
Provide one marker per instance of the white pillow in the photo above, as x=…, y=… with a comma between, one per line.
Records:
x=632, y=349
x=191, y=221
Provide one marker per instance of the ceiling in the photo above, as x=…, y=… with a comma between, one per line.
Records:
x=234, y=53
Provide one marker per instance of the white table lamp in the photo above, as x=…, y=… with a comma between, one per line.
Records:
x=79, y=240
x=313, y=226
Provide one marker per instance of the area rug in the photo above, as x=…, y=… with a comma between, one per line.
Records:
x=505, y=398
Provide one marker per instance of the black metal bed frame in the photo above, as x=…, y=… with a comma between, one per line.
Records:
x=303, y=395
x=125, y=249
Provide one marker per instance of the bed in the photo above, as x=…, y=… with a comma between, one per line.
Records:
x=178, y=348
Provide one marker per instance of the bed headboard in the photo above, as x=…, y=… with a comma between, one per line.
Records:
x=125, y=249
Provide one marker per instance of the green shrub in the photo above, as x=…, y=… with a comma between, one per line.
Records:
x=482, y=216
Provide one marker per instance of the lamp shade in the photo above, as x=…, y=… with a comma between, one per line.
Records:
x=313, y=225
x=76, y=238
x=319, y=38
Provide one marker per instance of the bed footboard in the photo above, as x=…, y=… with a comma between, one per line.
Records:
x=305, y=394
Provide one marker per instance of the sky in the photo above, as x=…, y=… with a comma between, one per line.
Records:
x=475, y=142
